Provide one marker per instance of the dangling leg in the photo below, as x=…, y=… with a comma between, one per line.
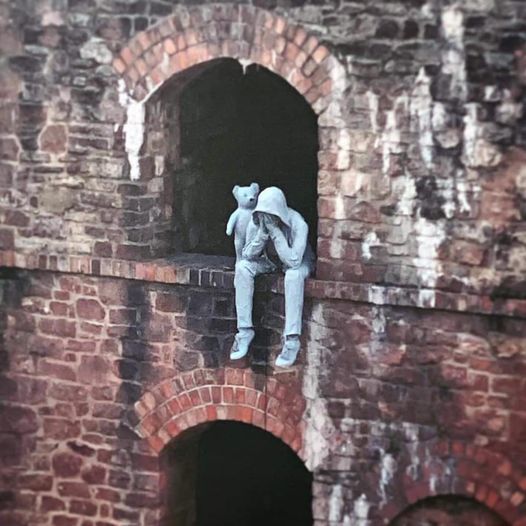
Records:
x=294, y=292
x=245, y=273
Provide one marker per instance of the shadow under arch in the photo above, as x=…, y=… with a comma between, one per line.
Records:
x=233, y=474
x=231, y=125
x=448, y=510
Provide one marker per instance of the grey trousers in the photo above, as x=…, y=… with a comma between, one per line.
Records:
x=245, y=273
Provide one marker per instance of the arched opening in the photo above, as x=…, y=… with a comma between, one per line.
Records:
x=234, y=474
x=448, y=510
x=218, y=125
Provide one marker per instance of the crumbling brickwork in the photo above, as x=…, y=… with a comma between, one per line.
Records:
x=410, y=380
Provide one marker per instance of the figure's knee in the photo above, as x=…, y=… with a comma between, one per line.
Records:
x=244, y=268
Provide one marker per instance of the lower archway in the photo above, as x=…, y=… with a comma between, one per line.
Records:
x=448, y=510
x=234, y=474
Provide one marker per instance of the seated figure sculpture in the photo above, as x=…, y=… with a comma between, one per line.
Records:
x=276, y=236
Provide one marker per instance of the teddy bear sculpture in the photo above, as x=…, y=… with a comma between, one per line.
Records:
x=246, y=197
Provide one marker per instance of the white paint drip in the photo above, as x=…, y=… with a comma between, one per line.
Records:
x=376, y=295
x=387, y=472
x=319, y=424
x=372, y=99
x=421, y=116
x=336, y=504
x=378, y=321
x=453, y=57
x=404, y=187
x=361, y=508
x=133, y=129
x=391, y=135
x=371, y=240
x=429, y=235
x=470, y=132
x=477, y=151
x=244, y=64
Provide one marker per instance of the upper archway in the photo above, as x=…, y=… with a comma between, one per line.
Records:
x=246, y=33
x=171, y=54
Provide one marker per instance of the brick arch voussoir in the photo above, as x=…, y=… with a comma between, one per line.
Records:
x=206, y=395
x=246, y=33
x=487, y=477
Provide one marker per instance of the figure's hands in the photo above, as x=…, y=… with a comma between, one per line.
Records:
x=271, y=223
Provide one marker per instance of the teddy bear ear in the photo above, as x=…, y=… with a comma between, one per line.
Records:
x=255, y=187
x=235, y=190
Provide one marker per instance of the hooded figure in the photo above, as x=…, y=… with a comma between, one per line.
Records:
x=276, y=236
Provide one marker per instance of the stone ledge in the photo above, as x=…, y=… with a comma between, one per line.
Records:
x=218, y=272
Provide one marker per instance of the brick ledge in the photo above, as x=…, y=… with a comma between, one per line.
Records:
x=217, y=272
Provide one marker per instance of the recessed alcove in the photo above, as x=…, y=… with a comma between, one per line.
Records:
x=220, y=124
x=234, y=474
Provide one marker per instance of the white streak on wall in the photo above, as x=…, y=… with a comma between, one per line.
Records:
x=319, y=424
x=453, y=57
x=361, y=509
x=376, y=295
x=336, y=504
x=391, y=135
x=405, y=189
x=477, y=150
x=429, y=235
x=372, y=99
x=421, y=110
x=387, y=472
x=371, y=240
x=133, y=129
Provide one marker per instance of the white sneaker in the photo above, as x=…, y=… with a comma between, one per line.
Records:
x=241, y=344
x=289, y=353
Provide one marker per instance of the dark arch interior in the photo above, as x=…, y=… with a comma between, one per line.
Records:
x=233, y=474
x=237, y=127
x=448, y=510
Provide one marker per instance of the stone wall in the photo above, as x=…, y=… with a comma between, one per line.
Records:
x=410, y=381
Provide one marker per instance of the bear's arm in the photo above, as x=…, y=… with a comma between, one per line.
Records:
x=232, y=220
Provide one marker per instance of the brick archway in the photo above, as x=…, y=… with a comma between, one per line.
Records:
x=207, y=395
x=456, y=468
x=202, y=34
x=249, y=34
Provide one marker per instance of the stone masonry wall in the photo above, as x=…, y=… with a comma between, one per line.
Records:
x=410, y=383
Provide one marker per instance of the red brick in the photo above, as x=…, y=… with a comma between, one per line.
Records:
x=74, y=489
x=58, y=327
x=83, y=507
x=94, y=475
x=35, y=482
x=61, y=429
x=53, y=138
x=90, y=309
x=64, y=520
x=48, y=504
x=20, y=420
x=108, y=495
x=66, y=464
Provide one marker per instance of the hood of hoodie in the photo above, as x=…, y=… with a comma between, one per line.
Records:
x=272, y=201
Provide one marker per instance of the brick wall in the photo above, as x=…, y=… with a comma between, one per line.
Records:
x=101, y=373
x=410, y=382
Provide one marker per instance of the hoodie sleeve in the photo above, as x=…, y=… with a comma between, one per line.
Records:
x=291, y=255
x=255, y=242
